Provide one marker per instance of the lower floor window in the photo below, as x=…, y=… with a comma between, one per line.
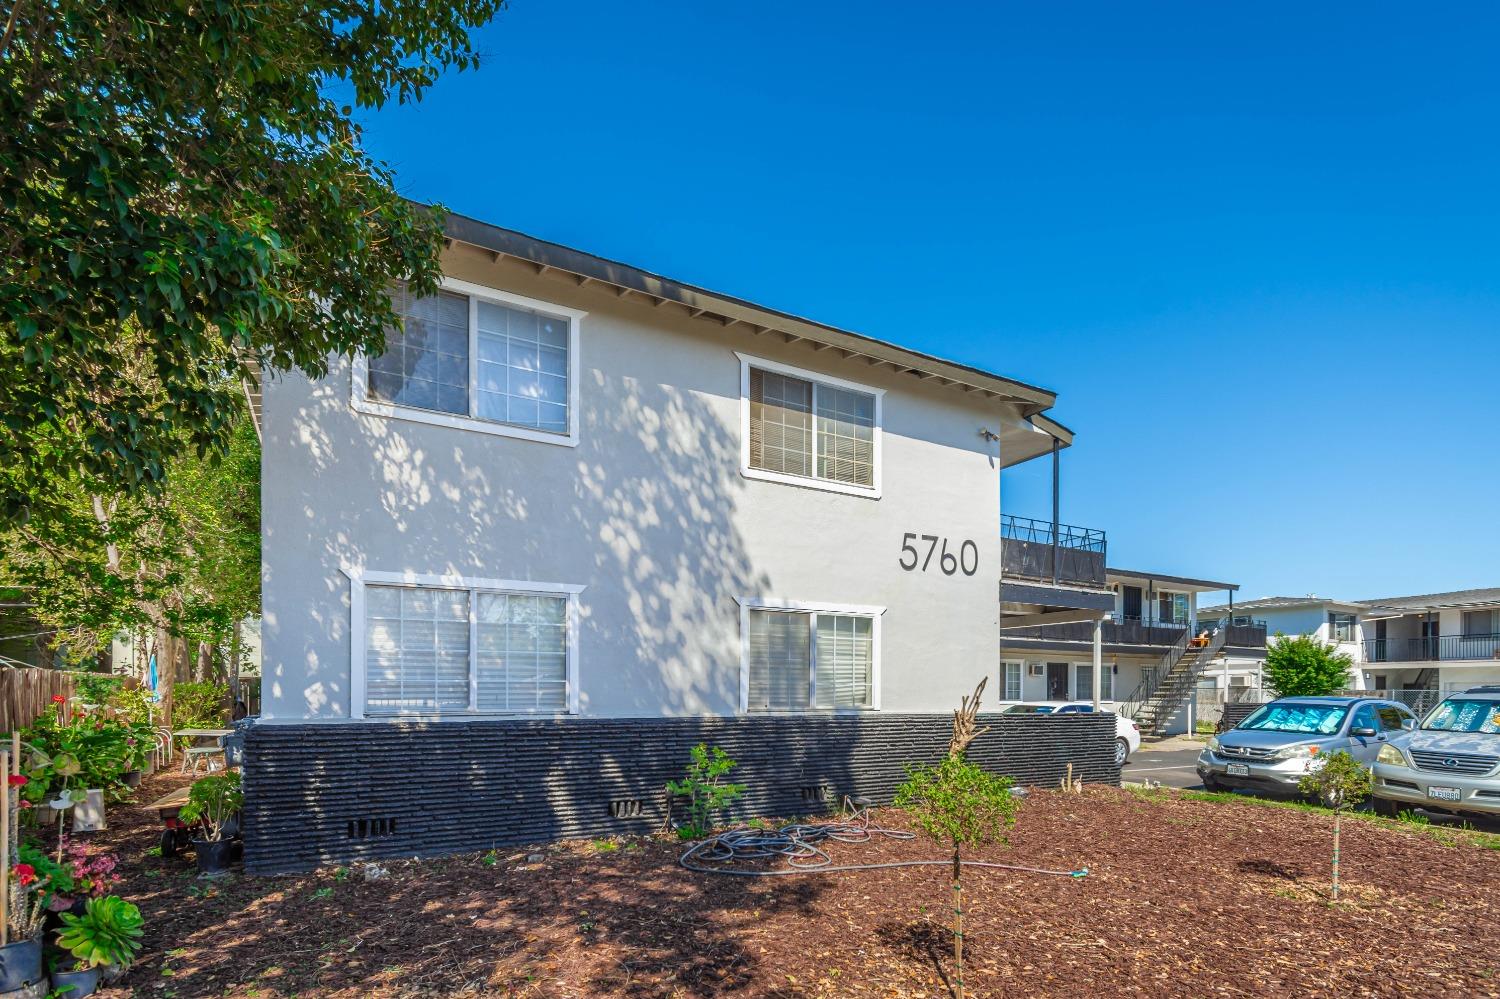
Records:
x=1083, y=682
x=797, y=660
x=1012, y=681
x=432, y=649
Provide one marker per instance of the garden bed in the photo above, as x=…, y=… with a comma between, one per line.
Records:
x=1185, y=898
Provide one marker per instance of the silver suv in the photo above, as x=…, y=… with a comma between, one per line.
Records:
x=1273, y=748
x=1452, y=763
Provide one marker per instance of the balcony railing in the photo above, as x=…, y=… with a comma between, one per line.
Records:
x=1434, y=648
x=1113, y=632
x=1244, y=632
x=1031, y=550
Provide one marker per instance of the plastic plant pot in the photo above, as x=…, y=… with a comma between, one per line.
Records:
x=83, y=982
x=20, y=964
x=132, y=778
x=214, y=856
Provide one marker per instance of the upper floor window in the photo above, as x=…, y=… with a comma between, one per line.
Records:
x=480, y=359
x=1481, y=623
x=1171, y=608
x=1341, y=627
x=809, y=429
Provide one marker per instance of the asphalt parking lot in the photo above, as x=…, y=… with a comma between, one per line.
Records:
x=1170, y=763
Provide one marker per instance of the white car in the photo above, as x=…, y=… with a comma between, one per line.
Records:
x=1127, y=732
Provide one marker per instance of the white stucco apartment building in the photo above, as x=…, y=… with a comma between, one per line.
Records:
x=1409, y=647
x=571, y=487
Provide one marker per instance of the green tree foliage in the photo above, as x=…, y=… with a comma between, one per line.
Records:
x=183, y=191
x=185, y=558
x=1302, y=666
x=1340, y=782
x=705, y=788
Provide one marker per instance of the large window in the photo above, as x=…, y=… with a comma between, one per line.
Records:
x=1341, y=627
x=801, y=427
x=486, y=649
x=800, y=659
x=1171, y=608
x=478, y=358
x=1481, y=623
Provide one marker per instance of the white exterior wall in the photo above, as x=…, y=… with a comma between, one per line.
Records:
x=649, y=513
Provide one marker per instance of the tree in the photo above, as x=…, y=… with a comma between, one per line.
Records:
x=1341, y=782
x=704, y=787
x=182, y=184
x=959, y=804
x=1302, y=666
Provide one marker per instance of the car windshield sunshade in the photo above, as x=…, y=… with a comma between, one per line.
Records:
x=1459, y=715
x=1319, y=719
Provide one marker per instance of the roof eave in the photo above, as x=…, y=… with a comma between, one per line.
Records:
x=545, y=256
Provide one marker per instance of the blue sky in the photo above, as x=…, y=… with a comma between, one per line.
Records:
x=1252, y=247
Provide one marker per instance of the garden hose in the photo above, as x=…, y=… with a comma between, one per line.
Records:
x=798, y=842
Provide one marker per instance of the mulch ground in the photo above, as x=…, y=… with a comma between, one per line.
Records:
x=1184, y=898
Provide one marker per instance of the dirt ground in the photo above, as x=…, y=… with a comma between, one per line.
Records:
x=1184, y=898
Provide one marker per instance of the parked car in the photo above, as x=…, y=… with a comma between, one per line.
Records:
x=1451, y=763
x=1127, y=732
x=1282, y=740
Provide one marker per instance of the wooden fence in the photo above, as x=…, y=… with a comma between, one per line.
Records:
x=26, y=693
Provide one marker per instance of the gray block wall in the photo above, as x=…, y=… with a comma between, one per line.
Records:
x=325, y=794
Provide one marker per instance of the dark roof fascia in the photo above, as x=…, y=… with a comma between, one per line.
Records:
x=546, y=254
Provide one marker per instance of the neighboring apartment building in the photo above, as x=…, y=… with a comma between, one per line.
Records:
x=571, y=490
x=1326, y=619
x=1149, y=659
x=1412, y=648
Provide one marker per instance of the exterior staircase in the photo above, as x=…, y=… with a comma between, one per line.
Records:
x=1161, y=696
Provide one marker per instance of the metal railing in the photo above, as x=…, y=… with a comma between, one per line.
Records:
x=1243, y=632
x=1154, y=677
x=1160, y=694
x=1031, y=549
x=1127, y=632
x=1433, y=648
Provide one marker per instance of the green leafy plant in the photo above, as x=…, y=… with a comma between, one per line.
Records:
x=1302, y=666
x=200, y=705
x=1340, y=782
x=213, y=800
x=705, y=789
x=959, y=804
x=108, y=932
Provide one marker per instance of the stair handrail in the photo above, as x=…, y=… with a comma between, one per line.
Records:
x=1142, y=693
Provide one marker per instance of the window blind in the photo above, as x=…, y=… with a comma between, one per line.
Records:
x=416, y=649
x=521, y=659
x=844, y=657
x=781, y=437
x=779, y=661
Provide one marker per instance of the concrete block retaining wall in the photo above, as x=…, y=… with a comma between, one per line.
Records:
x=324, y=794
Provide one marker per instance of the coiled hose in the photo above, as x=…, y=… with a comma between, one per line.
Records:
x=798, y=842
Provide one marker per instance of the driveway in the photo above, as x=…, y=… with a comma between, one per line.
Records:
x=1171, y=763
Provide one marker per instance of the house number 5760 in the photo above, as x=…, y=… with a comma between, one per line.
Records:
x=913, y=557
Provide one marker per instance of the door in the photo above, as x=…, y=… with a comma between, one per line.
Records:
x=1430, y=637
x=1057, y=681
x=1380, y=636
x=1132, y=599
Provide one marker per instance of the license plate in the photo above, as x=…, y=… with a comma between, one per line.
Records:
x=1238, y=770
x=1444, y=793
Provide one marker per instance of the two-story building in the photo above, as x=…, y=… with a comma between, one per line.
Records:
x=1411, y=648
x=574, y=490
x=1154, y=648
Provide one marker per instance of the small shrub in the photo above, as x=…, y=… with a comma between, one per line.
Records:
x=706, y=791
x=200, y=705
x=213, y=799
x=1341, y=782
x=1302, y=666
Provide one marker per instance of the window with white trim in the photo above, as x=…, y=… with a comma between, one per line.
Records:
x=1012, y=681
x=495, y=359
x=1341, y=627
x=799, y=660
x=801, y=426
x=438, y=649
x=1083, y=682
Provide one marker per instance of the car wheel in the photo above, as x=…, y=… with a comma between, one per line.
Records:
x=1209, y=784
x=1122, y=752
x=1385, y=806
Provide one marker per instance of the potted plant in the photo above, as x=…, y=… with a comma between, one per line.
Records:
x=214, y=801
x=107, y=935
x=21, y=959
